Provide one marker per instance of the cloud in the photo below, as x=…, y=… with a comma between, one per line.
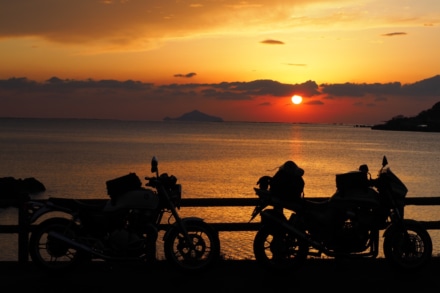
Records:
x=272, y=42
x=263, y=87
x=315, y=102
x=136, y=25
x=394, y=34
x=188, y=75
x=110, y=25
x=228, y=90
x=360, y=90
x=130, y=99
x=226, y=95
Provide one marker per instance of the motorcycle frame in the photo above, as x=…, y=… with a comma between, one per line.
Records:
x=372, y=249
x=37, y=209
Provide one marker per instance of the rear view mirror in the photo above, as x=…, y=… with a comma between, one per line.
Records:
x=154, y=164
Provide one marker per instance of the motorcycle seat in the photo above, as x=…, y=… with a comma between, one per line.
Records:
x=76, y=204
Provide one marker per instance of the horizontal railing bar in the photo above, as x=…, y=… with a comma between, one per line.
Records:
x=13, y=229
x=224, y=202
x=23, y=229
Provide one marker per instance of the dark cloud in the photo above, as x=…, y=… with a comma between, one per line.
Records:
x=380, y=99
x=274, y=88
x=55, y=84
x=231, y=90
x=226, y=95
x=56, y=97
x=394, y=34
x=188, y=75
x=426, y=87
x=360, y=90
x=315, y=102
x=272, y=42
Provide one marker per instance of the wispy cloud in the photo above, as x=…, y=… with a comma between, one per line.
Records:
x=272, y=42
x=188, y=75
x=394, y=34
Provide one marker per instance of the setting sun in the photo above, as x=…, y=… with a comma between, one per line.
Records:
x=297, y=99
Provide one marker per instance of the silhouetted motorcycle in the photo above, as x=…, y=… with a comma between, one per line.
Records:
x=124, y=228
x=346, y=225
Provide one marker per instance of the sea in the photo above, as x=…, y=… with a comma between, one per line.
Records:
x=74, y=158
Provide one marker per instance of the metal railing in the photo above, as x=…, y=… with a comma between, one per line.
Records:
x=23, y=228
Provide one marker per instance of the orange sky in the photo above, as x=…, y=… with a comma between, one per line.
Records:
x=240, y=60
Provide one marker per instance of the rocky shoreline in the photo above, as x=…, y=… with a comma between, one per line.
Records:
x=426, y=121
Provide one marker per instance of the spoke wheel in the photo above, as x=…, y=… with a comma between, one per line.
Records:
x=201, y=252
x=279, y=251
x=410, y=249
x=50, y=253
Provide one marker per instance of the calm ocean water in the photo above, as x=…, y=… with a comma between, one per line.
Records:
x=74, y=158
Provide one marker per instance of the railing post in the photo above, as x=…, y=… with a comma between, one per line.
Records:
x=23, y=231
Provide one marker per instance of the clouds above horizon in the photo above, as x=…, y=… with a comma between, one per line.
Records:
x=112, y=25
x=56, y=92
x=240, y=60
x=308, y=89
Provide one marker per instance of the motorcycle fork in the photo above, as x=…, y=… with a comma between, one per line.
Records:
x=396, y=216
x=177, y=217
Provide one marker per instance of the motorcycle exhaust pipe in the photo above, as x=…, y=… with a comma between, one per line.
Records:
x=72, y=243
x=294, y=230
x=85, y=248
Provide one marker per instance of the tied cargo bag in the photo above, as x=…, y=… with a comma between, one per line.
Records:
x=287, y=183
x=118, y=186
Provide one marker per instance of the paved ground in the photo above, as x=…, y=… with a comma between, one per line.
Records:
x=225, y=276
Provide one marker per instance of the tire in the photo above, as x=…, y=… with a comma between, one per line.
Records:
x=408, y=253
x=279, y=251
x=205, y=251
x=51, y=254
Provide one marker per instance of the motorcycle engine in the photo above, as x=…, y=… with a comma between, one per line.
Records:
x=352, y=236
x=125, y=242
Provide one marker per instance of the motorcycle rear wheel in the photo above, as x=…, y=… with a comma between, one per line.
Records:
x=201, y=253
x=408, y=251
x=52, y=254
x=276, y=250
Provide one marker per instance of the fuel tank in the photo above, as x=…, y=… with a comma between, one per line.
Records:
x=139, y=199
x=363, y=197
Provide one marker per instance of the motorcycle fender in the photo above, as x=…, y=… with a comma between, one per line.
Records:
x=272, y=216
x=40, y=209
x=393, y=227
x=185, y=221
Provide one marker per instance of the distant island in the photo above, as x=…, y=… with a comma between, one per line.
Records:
x=428, y=120
x=195, y=116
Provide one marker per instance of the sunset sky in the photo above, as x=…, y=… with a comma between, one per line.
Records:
x=352, y=61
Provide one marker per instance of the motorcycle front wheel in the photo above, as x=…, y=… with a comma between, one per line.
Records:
x=277, y=250
x=202, y=250
x=409, y=248
x=52, y=254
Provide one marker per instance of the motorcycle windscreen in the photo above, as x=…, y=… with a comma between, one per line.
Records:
x=397, y=186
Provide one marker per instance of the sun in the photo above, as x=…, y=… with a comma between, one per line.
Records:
x=297, y=99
